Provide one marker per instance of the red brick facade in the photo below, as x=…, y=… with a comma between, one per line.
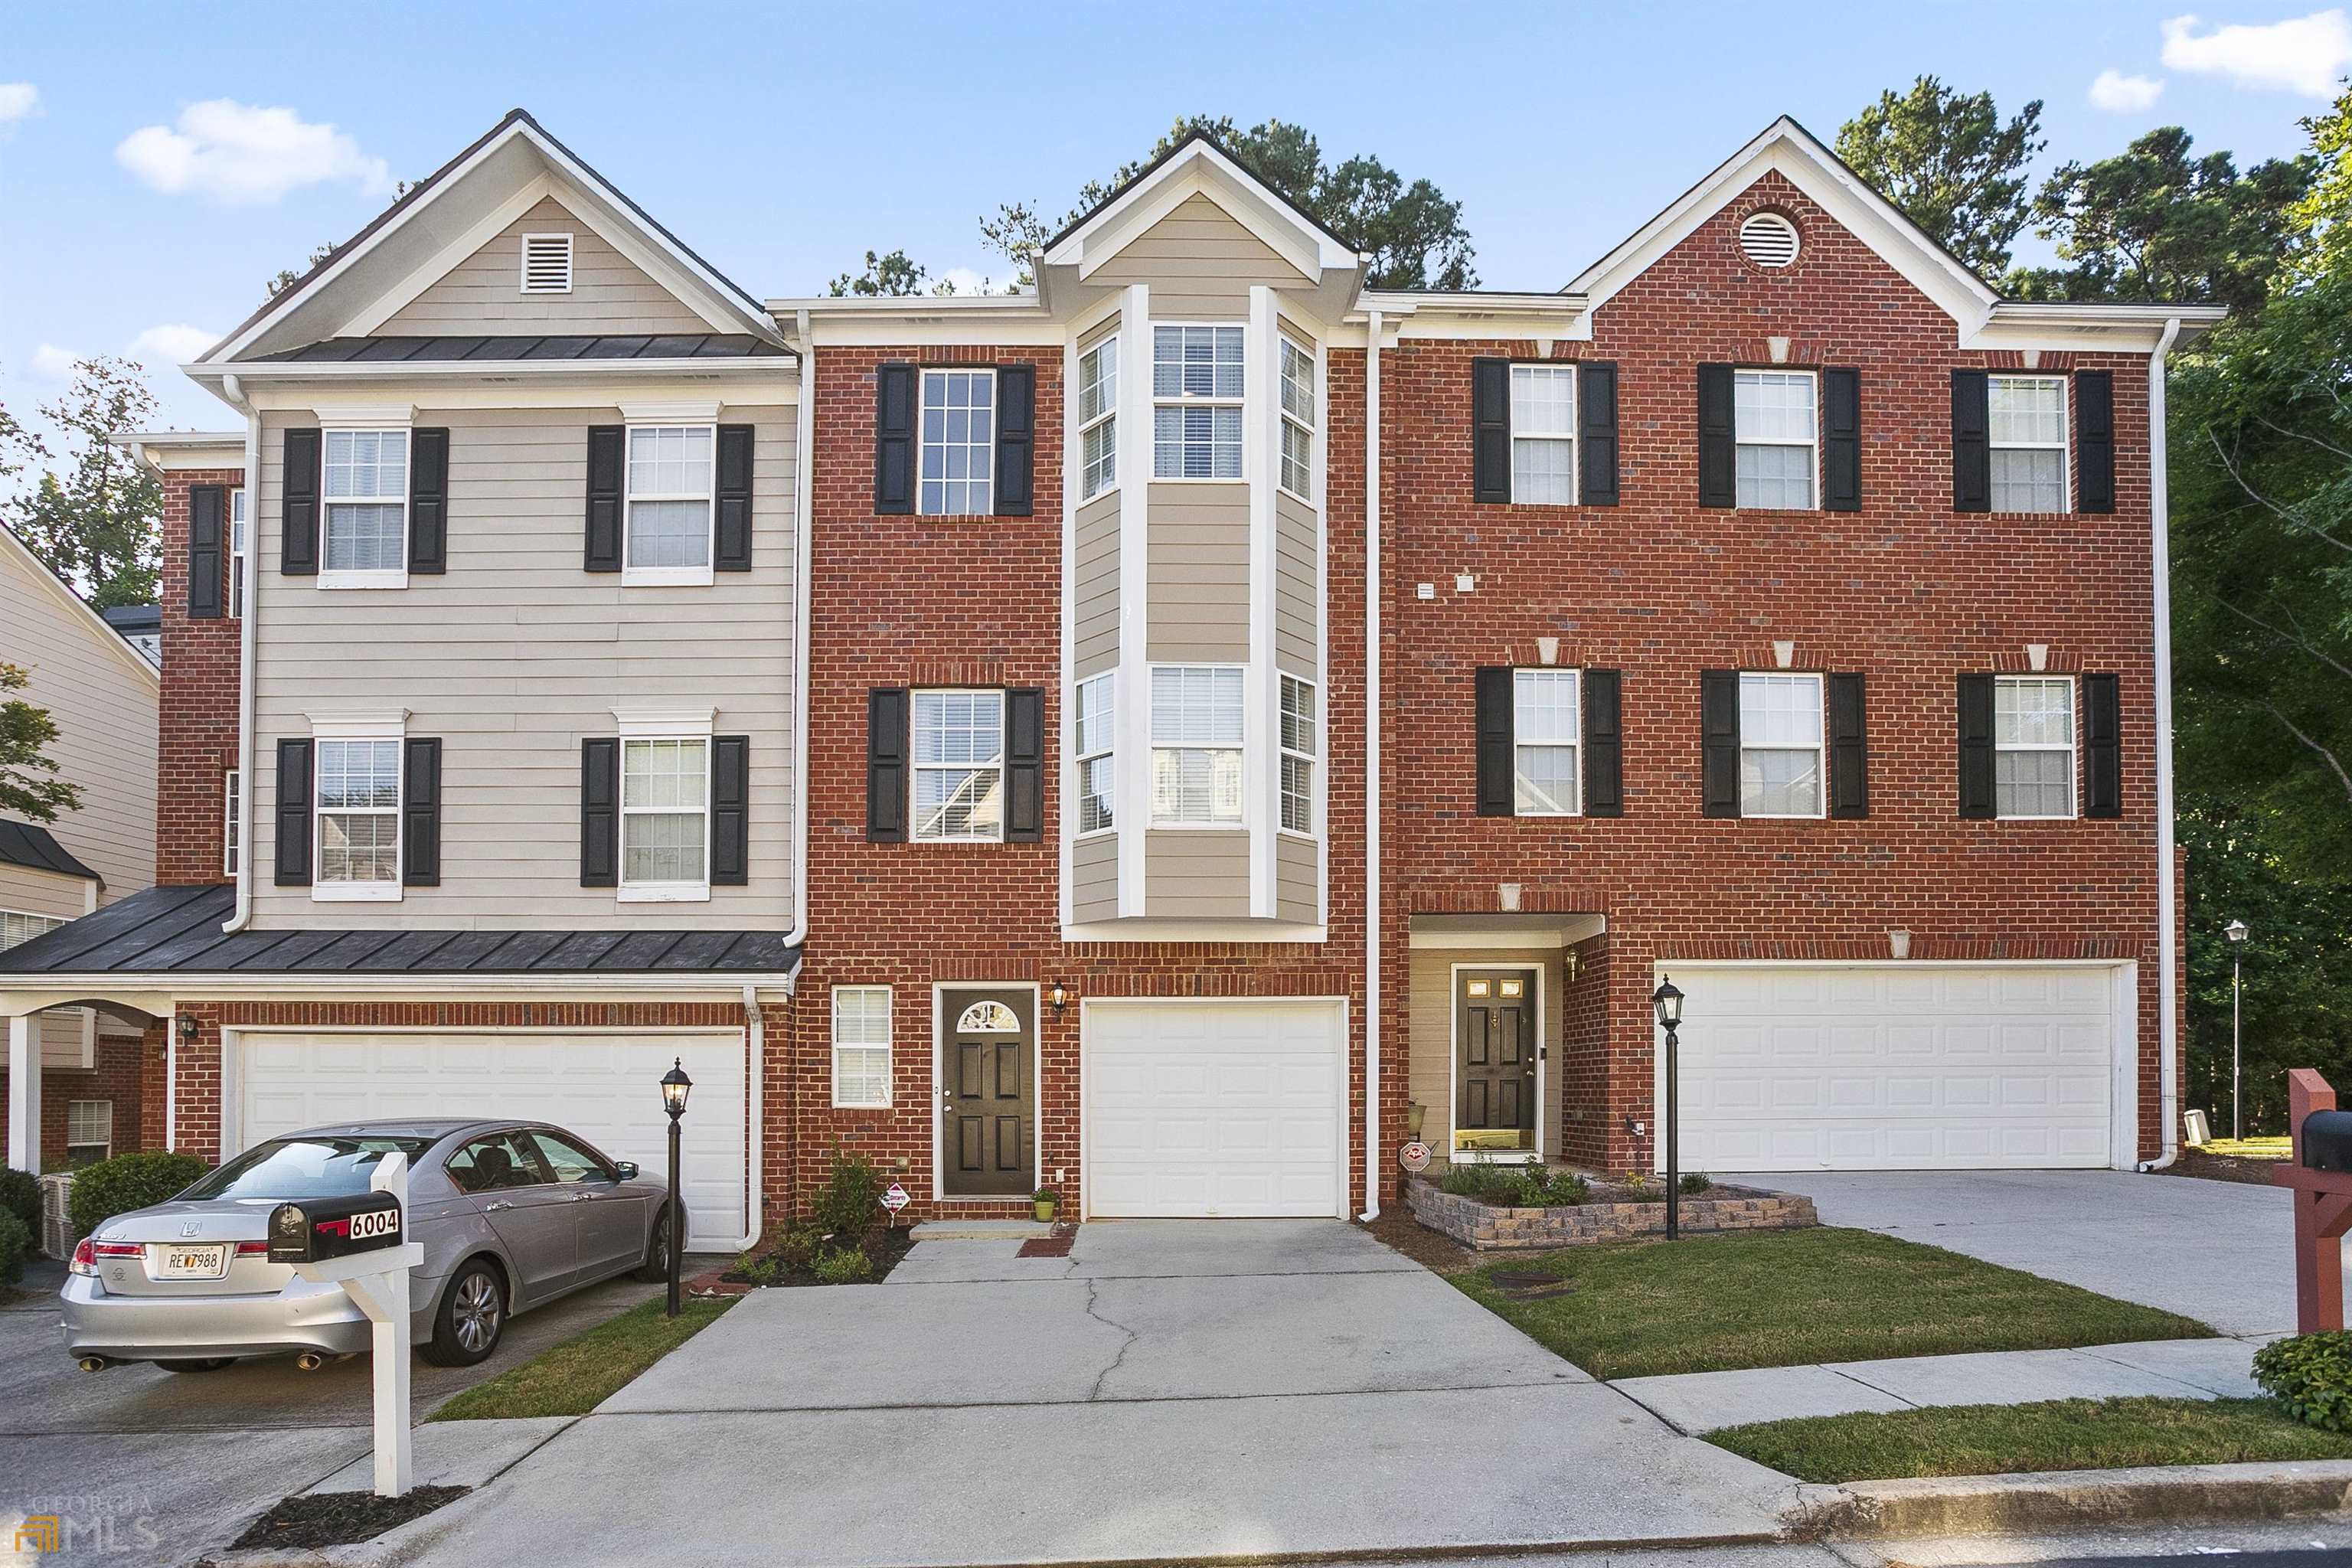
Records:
x=198, y=744
x=117, y=1078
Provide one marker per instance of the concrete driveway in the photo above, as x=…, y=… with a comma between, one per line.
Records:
x=1173, y=1389
x=2221, y=1252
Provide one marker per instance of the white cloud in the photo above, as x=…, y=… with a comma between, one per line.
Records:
x=18, y=101
x=2125, y=94
x=51, y=363
x=2304, y=54
x=243, y=152
x=965, y=280
x=169, y=346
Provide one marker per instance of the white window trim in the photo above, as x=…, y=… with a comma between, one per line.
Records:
x=365, y=729
x=522, y=263
x=1812, y=444
x=1106, y=750
x=1192, y=400
x=1314, y=760
x=1158, y=823
x=1108, y=413
x=107, y=1142
x=2063, y=446
x=355, y=421
x=1309, y=428
x=238, y=529
x=704, y=575
x=995, y=411
x=888, y=1048
x=231, y=785
x=1575, y=741
x=1572, y=440
x=915, y=770
x=49, y=923
x=639, y=725
x=1821, y=748
x=2071, y=748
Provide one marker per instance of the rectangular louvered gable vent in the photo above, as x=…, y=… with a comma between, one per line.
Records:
x=547, y=264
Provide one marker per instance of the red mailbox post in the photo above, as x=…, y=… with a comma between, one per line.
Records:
x=2323, y=1207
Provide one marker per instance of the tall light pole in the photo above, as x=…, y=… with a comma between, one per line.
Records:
x=1669, y=1002
x=675, y=1087
x=2236, y=932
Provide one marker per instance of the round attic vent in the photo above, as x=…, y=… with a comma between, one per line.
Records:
x=1768, y=239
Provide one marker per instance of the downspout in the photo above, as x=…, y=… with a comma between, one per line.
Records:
x=753, y=1222
x=2168, y=891
x=804, y=455
x=241, y=914
x=1372, y=768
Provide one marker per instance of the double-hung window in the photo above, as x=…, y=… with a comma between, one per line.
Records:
x=1545, y=719
x=1779, y=745
x=666, y=818
x=89, y=1131
x=1094, y=718
x=2033, y=745
x=960, y=766
x=237, y=552
x=1543, y=434
x=1301, y=745
x=358, y=819
x=2027, y=430
x=366, y=510
x=231, y=797
x=1196, y=745
x=1775, y=415
x=672, y=473
x=1196, y=394
x=1297, y=420
x=1098, y=419
x=959, y=444
x=861, y=1045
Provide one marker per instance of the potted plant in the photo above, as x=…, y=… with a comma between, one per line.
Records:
x=1044, y=1201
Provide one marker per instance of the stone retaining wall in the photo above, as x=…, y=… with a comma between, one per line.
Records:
x=1491, y=1229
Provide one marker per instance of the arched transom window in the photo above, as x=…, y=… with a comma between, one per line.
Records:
x=987, y=1018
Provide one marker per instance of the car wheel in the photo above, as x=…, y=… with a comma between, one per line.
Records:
x=197, y=1364
x=656, y=1263
x=472, y=1317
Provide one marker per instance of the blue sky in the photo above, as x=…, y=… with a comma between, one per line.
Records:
x=783, y=141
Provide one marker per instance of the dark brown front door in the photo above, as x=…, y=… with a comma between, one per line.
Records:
x=1495, y=1060
x=987, y=1102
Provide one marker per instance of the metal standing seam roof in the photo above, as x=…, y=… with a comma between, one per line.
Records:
x=37, y=849
x=177, y=931
x=513, y=346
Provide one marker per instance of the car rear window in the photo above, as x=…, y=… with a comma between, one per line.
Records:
x=315, y=1167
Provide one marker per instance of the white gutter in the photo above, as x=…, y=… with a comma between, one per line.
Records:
x=757, y=1025
x=242, y=913
x=1372, y=768
x=803, y=486
x=2168, y=891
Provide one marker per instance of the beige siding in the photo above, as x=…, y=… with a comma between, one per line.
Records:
x=1430, y=1021
x=26, y=891
x=513, y=656
x=1297, y=879
x=1094, y=877
x=1195, y=873
x=1093, y=588
x=1199, y=263
x=610, y=293
x=1197, y=556
x=1297, y=586
x=103, y=699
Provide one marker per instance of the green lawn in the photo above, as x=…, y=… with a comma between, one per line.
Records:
x=1717, y=1303
x=574, y=1377
x=2059, y=1434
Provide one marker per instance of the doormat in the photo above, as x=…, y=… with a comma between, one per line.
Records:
x=1048, y=1246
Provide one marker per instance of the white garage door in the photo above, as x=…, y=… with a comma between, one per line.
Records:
x=1223, y=1109
x=604, y=1087
x=1903, y=1067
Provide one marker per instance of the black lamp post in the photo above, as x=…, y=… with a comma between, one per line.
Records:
x=675, y=1086
x=1668, y=1001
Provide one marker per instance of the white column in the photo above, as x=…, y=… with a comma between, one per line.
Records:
x=1131, y=709
x=24, y=1093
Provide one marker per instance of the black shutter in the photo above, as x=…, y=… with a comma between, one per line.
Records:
x=420, y=813
x=893, y=439
x=1025, y=764
x=1596, y=433
x=886, y=764
x=1842, y=440
x=207, y=556
x=730, y=811
x=298, y=553
x=732, y=549
x=606, y=456
x=1497, y=723
x=2102, y=746
x=293, y=814
x=1718, y=442
x=1718, y=726
x=2094, y=441
x=1016, y=439
x=599, y=811
x=1849, y=748
x=1604, y=743
x=1971, y=442
x=1490, y=430
x=428, y=501
x=1977, y=798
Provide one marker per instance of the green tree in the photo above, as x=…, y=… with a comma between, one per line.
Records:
x=893, y=274
x=2321, y=216
x=97, y=522
x=29, y=785
x=1949, y=163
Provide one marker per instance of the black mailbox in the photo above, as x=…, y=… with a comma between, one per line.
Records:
x=316, y=1229
x=2327, y=1141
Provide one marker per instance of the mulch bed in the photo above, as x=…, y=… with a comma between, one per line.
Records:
x=2221, y=1168
x=338, y=1519
x=1398, y=1230
x=885, y=1248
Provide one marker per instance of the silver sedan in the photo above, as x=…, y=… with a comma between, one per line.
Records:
x=512, y=1215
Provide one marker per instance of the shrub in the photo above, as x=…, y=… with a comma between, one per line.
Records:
x=1636, y=1185
x=850, y=1202
x=15, y=1247
x=1488, y=1182
x=20, y=1195
x=105, y=1188
x=2311, y=1377
x=1695, y=1182
x=1543, y=1186
x=842, y=1266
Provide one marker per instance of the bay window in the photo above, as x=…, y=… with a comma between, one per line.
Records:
x=1196, y=745
x=1196, y=391
x=1094, y=717
x=1098, y=419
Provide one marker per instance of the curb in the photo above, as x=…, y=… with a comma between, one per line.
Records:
x=2069, y=1499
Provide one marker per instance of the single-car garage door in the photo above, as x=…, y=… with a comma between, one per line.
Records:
x=1219, y=1109
x=1914, y=1066
x=606, y=1088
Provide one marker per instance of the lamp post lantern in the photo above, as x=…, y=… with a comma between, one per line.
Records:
x=1668, y=1000
x=675, y=1087
x=2237, y=934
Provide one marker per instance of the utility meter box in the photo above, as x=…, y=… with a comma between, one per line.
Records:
x=318, y=1229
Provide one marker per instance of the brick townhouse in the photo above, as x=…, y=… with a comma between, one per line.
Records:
x=975, y=730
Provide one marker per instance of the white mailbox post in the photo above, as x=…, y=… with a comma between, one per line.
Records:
x=378, y=1282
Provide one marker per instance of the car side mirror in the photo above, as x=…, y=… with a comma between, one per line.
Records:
x=628, y=1169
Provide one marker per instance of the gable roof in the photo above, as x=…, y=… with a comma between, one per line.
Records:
x=101, y=631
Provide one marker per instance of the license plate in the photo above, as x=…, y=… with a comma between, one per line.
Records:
x=194, y=1262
